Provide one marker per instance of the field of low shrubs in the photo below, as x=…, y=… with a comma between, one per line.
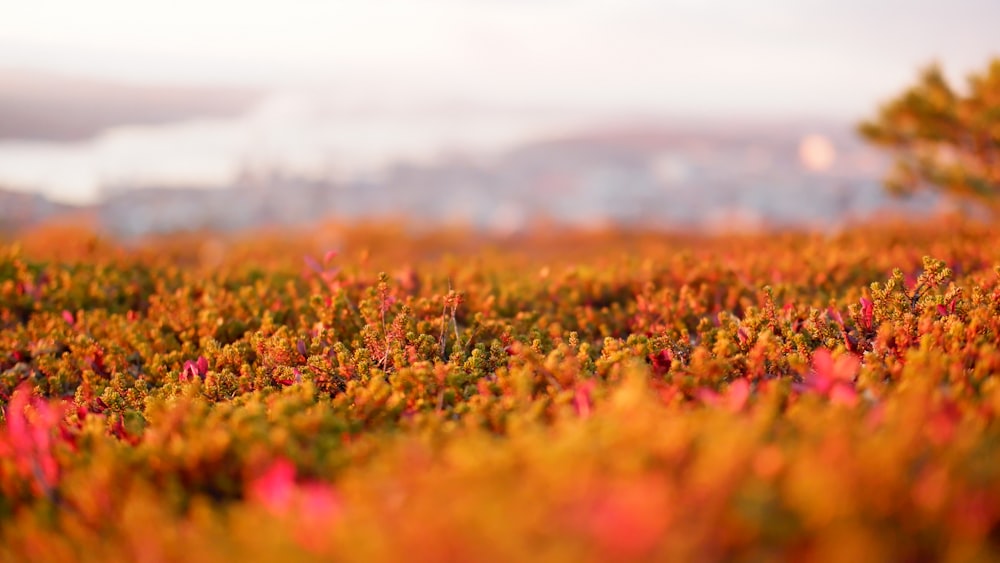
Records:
x=370, y=395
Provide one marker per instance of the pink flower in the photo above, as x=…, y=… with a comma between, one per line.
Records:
x=387, y=302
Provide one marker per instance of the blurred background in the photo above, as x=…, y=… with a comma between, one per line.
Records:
x=153, y=117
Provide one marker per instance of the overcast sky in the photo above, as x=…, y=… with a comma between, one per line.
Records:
x=790, y=58
x=350, y=81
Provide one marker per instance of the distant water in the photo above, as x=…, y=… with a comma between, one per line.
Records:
x=291, y=131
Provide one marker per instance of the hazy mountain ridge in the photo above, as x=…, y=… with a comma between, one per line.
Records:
x=741, y=179
x=20, y=210
x=44, y=106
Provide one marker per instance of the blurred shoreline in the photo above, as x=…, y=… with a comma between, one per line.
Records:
x=294, y=158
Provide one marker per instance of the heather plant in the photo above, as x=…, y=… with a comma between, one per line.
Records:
x=565, y=397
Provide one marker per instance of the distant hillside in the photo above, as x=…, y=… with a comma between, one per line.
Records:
x=651, y=177
x=41, y=106
x=22, y=210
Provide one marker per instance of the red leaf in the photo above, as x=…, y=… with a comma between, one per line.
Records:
x=737, y=394
x=843, y=394
x=582, y=400
x=708, y=397
x=867, y=310
x=835, y=315
x=275, y=486
x=312, y=264
x=833, y=378
x=661, y=361
x=28, y=438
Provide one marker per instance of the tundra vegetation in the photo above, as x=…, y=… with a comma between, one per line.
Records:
x=588, y=396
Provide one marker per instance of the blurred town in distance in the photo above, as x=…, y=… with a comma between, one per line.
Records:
x=702, y=179
x=255, y=160
x=500, y=116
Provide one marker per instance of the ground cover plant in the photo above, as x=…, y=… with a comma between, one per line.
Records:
x=596, y=396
